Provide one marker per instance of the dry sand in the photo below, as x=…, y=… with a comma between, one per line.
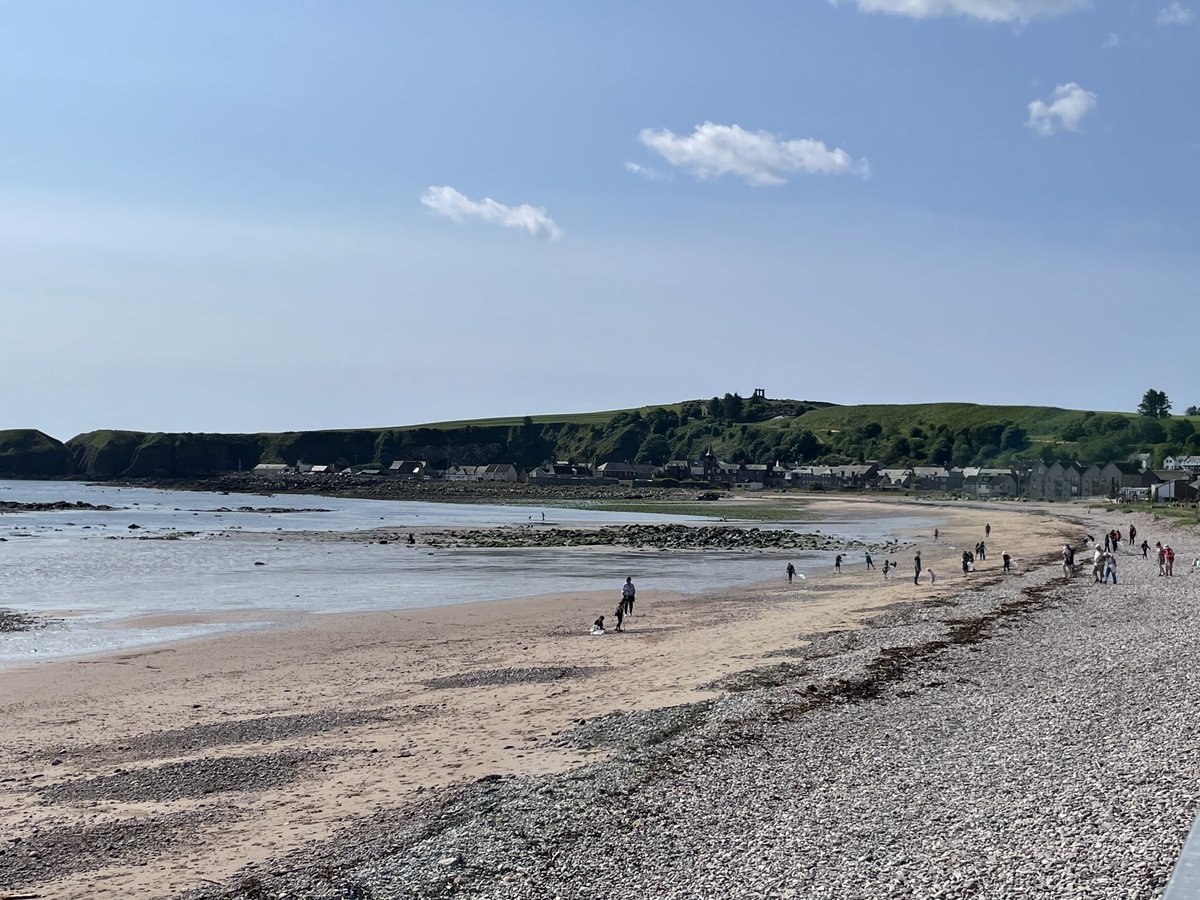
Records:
x=64, y=721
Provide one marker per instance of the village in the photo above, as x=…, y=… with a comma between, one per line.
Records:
x=1177, y=481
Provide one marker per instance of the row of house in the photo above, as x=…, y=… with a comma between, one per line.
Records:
x=1037, y=481
x=423, y=470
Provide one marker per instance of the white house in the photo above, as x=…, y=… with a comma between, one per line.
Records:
x=1186, y=463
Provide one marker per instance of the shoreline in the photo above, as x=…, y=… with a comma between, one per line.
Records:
x=393, y=705
x=729, y=556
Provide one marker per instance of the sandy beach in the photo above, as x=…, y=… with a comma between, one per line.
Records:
x=149, y=773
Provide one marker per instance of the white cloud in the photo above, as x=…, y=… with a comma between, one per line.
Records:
x=448, y=202
x=1019, y=11
x=1112, y=40
x=1068, y=105
x=757, y=156
x=1175, y=14
x=648, y=172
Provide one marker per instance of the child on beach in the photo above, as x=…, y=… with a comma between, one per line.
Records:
x=791, y=572
x=886, y=568
x=620, y=614
x=598, y=626
x=932, y=577
x=837, y=564
x=1007, y=562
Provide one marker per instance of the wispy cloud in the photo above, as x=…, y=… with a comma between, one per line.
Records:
x=448, y=202
x=1175, y=14
x=758, y=157
x=1110, y=41
x=1067, y=107
x=1018, y=11
x=648, y=172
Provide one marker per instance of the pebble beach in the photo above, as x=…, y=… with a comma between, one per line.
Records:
x=991, y=736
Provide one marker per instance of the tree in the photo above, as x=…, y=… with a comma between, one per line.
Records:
x=1192, y=411
x=1155, y=405
x=961, y=452
x=1014, y=438
x=733, y=407
x=1149, y=431
x=655, y=450
x=1181, y=430
x=804, y=446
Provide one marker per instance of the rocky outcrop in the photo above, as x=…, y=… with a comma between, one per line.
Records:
x=658, y=537
x=28, y=453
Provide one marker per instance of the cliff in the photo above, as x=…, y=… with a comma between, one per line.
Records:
x=29, y=453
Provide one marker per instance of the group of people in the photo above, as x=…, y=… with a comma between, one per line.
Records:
x=624, y=608
x=1166, y=559
x=1104, y=567
x=1104, y=558
x=889, y=565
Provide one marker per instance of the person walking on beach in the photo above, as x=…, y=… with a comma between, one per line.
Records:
x=886, y=568
x=1007, y=562
x=837, y=564
x=1145, y=549
x=982, y=550
x=1161, y=557
x=1110, y=567
x=966, y=562
x=1169, y=556
x=932, y=577
x=987, y=530
x=870, y=562
x=917, y=565
x=935, y=534
x=1068, y=564
x=1132, y=534
x=1097, y=565
x=627, y=595
x=620, y=614
x=791, y=572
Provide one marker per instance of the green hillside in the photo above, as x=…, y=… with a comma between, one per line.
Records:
x=1039, y=420
x=736, y=429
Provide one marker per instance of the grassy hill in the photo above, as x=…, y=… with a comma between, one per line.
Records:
x=737, y=429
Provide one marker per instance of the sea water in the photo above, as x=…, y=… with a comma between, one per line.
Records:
x=90, y=573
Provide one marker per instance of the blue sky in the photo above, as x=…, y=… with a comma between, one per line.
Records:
x=282, y=215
